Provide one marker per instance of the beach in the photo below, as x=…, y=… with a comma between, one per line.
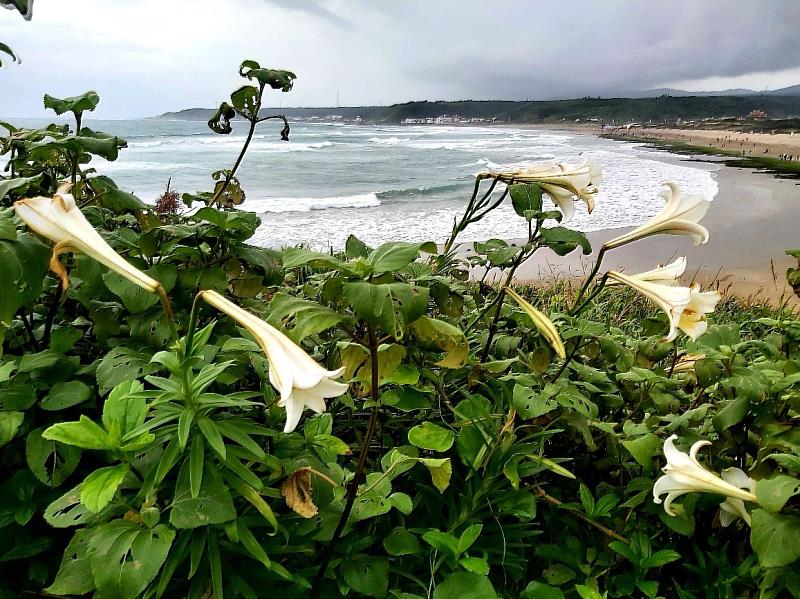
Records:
x=772, y=145
x=752, y=221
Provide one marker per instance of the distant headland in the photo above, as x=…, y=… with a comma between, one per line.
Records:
x=665, y=107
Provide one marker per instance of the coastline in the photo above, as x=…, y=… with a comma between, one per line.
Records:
x=752, y=220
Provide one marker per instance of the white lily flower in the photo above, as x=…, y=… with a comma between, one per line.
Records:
x=60, y=220
x=684, y=474
x=670, y=298
x=662, y=275
x=299, y=379
x=733, y=508
x=693, y=318
x=681, y=216
x=686, y=307
x=563, y=182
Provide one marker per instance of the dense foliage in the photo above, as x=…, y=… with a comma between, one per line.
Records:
x=476, y=453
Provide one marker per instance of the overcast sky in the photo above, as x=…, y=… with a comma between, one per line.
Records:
x=146, y=57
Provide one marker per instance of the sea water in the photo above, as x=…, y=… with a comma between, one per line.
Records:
x=385, y=182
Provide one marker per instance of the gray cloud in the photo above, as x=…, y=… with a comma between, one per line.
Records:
x=149, y=56
x=315, y=9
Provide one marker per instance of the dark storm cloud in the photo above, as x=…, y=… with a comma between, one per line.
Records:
x=150, y=56
x=532, y=49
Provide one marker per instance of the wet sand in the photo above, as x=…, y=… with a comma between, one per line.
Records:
x=753, y=219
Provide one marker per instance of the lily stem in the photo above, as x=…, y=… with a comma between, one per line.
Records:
x=192, y=325
x=591, y=277
x=605, y=530
x=352, y=487
x=166, y=305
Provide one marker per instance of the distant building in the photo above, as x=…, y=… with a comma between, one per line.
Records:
x=757, y=114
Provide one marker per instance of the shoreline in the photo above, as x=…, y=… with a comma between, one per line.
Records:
x=752, y=222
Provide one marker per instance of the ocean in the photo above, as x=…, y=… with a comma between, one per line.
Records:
x=384, y=183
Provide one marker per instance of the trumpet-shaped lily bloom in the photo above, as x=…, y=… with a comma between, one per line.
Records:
x=300, y=380
x=686, y=307
x=661, y=275
x=733, y=508
x=684, y=474
x=561, y=181
x=693, y=318
x=670, y=298
x=60, y=220
x=681, y=216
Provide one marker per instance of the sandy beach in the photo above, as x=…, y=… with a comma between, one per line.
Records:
x=753, y=219
x=777, y=145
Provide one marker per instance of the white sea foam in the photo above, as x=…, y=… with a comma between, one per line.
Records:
x=280, y=205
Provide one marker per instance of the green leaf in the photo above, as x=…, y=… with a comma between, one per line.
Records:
x=443, y=542
x=540, y=590
x=9, y=425
x=448, y=338
x=393, y=256
x=296, y=257
x=357, y=362
x=773, y=493
x=213, y=436
x=6, y=49
x=731, y=413
x=135, y=298
x=305, y=317
x=391, y=307
x=431, y=436
x=124, y=410
x=76, y=104
x=84, y=434
x=38, y=361
x=643, y=449
x=401, y=542
x=7, y=186
x=367, y=575
x=122, y=364
x=353, y=247
x=474, y=564
x=441, y=471
x=99, y=488
x=109, y=196
x=23, y=265
x=196, y=462
x=465, y=585
x=563, y=241
x=74, y=575
x=774, y=538
x=213, y=505
x=88, y=142
x=526, y=199
x=468, y=537
x=8, y=230
x=587, y=592
x=274, y=78
x=49, y=461
x=68, y=510
x=125, y=558
x=66, y=395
